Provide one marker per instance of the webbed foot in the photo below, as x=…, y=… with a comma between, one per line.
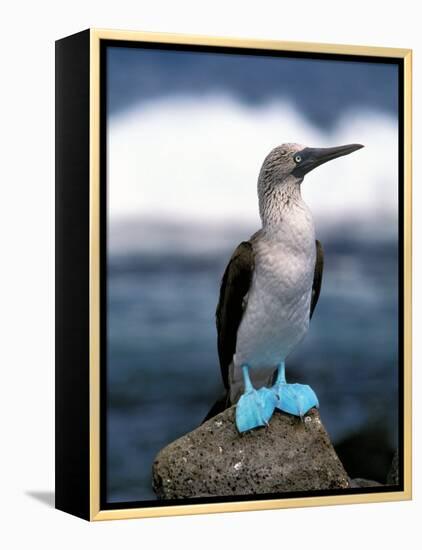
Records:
x=296, y=399
x=255, y=407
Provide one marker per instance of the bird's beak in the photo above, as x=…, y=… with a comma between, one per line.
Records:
x=309, y=158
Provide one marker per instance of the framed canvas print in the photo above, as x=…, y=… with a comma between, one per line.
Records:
x=233, y=274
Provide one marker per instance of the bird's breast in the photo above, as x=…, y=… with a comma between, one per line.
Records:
x=276, y=316
x=283, y=271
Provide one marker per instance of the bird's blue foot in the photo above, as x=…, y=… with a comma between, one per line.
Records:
x=255, y=407
x=296, y=399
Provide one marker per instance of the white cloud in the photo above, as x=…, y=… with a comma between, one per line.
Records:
x=198, y=158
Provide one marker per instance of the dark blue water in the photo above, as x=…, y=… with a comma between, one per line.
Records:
x=163, y=369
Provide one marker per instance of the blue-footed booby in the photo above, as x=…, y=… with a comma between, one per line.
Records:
x=269, y=291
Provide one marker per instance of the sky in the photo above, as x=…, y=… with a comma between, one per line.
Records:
x=187, y=134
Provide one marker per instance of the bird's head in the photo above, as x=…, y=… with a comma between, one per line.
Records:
x=285, y=167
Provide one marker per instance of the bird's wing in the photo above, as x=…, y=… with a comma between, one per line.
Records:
x=234, y=287
x=316, y=285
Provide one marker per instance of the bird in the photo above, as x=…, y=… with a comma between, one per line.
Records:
x=269, y=291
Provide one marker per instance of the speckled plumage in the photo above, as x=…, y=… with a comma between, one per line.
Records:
x=277, y=308
x=271, y=284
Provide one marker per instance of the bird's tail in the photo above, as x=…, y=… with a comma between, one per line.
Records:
x=219, y=406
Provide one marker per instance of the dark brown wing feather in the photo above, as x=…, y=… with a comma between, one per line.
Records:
x=234, y=287
x=316, y=286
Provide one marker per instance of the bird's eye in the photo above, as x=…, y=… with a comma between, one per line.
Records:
x=298, y=158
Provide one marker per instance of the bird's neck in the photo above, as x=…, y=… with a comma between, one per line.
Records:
x=283, y=208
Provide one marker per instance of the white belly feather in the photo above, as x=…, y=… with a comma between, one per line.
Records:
x=276, y=316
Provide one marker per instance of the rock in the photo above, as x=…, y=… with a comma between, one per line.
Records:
x=393, y=474
x=359, y=482
x=215, y=460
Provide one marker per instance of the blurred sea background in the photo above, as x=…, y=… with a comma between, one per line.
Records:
x=186, y=135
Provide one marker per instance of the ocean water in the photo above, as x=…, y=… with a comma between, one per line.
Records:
x=163, y=371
